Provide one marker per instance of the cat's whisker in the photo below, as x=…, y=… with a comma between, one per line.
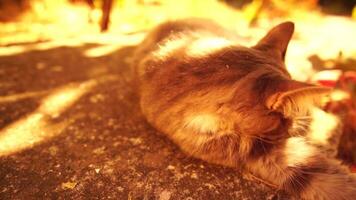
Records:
x=303, y=117
x=267, y=140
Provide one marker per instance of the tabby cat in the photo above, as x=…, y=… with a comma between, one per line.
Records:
x=237, y=106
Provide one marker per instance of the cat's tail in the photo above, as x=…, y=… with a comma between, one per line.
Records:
x=302, y=170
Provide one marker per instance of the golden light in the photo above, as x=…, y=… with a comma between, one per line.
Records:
x=339, y=95
x=17, y=97
x=7, y=51
x=109, y=45
x=101, y=51
x=37, y=127
x=58, y=101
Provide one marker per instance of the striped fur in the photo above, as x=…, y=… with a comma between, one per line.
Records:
x=237, y=106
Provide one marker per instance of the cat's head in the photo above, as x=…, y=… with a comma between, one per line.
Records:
x=276, y=99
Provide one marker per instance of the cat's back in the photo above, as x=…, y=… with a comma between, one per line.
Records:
x=174, y=28
x=172, y=36
x=186, y=61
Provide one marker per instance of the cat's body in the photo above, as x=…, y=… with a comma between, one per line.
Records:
x=236, y=106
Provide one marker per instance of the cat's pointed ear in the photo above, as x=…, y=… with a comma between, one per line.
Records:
x=293, y=98
x=277, y=39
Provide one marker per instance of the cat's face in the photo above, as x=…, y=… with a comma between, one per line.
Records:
x=252, y=106
x=268, y=101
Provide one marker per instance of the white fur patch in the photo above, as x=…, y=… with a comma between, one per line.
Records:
x=207, y=45
x=170, y=47
x=205, y=123
x=322, y=126
x=297, y=151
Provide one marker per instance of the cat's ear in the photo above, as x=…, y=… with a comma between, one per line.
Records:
x=277, y=39
x=293, y=98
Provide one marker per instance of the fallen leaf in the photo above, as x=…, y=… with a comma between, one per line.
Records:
x=69, y=185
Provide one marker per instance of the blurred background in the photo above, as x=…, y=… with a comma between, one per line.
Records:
x=325, y=28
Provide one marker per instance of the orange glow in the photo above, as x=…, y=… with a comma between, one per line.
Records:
x=36, y=126
x=61, y=21
x=110, y=45
x=339, y=95
x=17, y=97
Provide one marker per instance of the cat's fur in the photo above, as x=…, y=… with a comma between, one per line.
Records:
x=236, y=106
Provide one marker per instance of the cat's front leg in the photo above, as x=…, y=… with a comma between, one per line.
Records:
x=302, y=170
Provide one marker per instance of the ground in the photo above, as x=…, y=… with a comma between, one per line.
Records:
x=71, y=128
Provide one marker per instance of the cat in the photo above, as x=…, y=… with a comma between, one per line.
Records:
x=237, y=106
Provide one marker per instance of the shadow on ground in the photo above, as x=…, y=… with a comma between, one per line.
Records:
x=102, y=147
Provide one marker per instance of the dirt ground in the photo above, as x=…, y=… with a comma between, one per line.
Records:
x=94, y=143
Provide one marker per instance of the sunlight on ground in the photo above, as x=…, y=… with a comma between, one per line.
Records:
x=37, y=127
x=112, y=46
x=17, y=97
x=102, y=50
x=108, y=43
